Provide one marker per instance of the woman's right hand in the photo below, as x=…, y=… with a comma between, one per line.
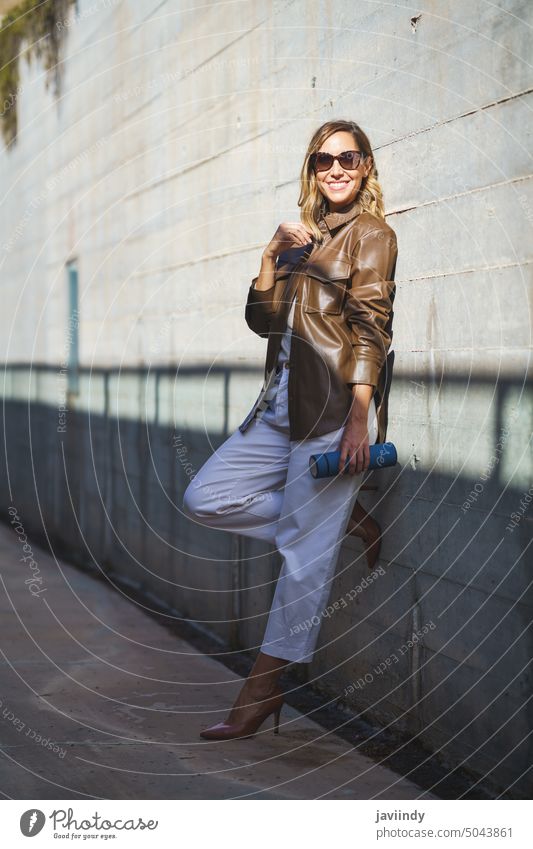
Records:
x=289, y=234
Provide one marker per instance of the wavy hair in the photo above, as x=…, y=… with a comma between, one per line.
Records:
x=312, y=201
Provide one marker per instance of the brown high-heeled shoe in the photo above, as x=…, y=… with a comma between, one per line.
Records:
x=233, y=729
x=362, y=525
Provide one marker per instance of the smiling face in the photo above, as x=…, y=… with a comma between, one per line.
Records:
x=339, y=185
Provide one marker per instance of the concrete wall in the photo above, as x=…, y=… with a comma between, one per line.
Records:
x=165, y=167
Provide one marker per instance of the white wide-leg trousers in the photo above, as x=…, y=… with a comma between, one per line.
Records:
x=258, y=484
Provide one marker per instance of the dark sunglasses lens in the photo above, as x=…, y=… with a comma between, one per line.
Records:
x=350, y=159
x=323, y=161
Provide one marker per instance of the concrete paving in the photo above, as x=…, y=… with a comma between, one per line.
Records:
x=100, y=701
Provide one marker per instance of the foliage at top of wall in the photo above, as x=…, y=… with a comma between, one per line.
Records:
x=42, y=25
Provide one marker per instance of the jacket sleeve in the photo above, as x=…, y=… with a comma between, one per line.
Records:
x=368, y=305
x=259, y=309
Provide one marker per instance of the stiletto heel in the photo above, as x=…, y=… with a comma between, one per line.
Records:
x=276, y=720
x=248, y=727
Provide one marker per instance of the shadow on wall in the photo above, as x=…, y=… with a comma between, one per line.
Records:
x=439, y=643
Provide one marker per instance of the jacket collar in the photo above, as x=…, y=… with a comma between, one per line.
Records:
x=332, y=220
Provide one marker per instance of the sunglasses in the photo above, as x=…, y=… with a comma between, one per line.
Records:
x=349, y=160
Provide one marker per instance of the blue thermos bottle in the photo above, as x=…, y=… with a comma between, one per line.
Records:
x=326, y=465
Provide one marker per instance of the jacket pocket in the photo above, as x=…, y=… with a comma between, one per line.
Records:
x=325, y=285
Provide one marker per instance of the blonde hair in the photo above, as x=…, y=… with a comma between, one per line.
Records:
x=312, y=201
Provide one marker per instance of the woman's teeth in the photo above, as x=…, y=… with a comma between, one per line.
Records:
x=338, y=186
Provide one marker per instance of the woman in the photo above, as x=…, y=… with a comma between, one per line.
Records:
x=323, y=299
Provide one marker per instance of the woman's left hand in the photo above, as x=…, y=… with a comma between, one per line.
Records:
x=354, y=444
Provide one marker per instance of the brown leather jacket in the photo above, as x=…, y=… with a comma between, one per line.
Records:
x=342, y=321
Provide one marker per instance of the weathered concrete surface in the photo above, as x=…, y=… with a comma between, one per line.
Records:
x=124, y=700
